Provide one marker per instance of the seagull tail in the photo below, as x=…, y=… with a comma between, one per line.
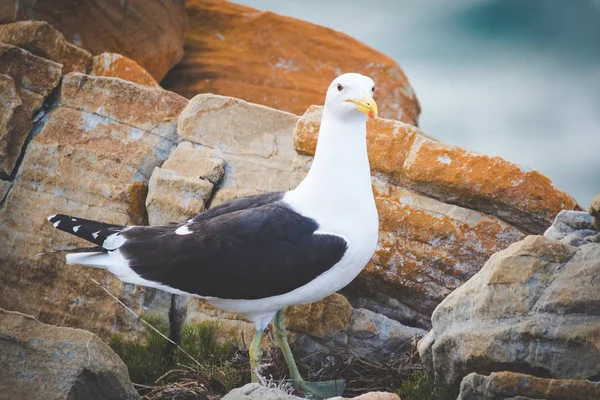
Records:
x=92, y=231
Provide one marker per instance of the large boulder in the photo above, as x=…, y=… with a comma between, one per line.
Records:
x=40, y=361
x=534, y=307
x=92, y=156
x=513, y=386
x=149, y=32
x=279, y=61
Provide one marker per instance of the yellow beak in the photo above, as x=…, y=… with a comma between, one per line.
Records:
x=367, y=105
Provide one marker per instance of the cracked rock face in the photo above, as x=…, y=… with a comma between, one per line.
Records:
x=42, y=361
x=91, y=156
x=533, y=307
x=25, y=81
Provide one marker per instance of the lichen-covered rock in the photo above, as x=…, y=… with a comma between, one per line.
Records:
x=43, y=40
x=149, y=32
x=118, y=66
x=511, y=386
x=280, y=61
x=92, y=157
x=323, y=318
x=40, y=361
x=409, y=158
x=532, y=307
x=25, y=81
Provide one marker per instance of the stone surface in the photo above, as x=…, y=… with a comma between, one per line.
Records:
x=4, y=188
x=594, y=211
x=511, y=385
x=376, y=396
x=255, y=391
x=149, y=32
x=181, y=187
x=118, y=66
x=255, y=143
x=8, y=11
x=533, y=307
x=572, y=227
x=25, y=81
x=40, y=361
x=171, y=195
x=91, y=156
x=322, y=319
x=281, y=62
x=41, y=39
x=407, y=157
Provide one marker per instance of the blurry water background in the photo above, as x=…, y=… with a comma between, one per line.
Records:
x=515, y=78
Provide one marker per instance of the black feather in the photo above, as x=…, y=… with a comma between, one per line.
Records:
x=92, y=231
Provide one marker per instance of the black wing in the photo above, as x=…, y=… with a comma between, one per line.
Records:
x=252, y=253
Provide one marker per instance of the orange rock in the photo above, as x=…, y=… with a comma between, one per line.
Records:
x=427, y=248
x=118, y=66
x=322, y=318
x=279, y=61
x=43, y=40
x=408, y=157
x=376, y=396
x=149, y=32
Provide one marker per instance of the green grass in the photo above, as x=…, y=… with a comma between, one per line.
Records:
x=420, y=387
x=148, y=359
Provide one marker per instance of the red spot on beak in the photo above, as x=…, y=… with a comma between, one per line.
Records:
x=371, y=114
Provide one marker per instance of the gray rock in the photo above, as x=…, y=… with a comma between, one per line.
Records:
x=514, y=386
x=40, y=361
x=571, y=227
x=255, y=391
x=533, y=307
x=377, y=336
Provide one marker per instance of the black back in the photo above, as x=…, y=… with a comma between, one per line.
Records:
x=246, y=254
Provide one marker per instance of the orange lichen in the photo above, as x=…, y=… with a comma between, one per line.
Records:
x=279, y=61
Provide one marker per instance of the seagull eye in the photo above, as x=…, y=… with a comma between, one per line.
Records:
x=373, y=89
x=340, y=87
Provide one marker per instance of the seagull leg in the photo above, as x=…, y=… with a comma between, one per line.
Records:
x=255, y=354
x=320, y=390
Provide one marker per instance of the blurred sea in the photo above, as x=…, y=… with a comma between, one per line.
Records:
x=514, y=78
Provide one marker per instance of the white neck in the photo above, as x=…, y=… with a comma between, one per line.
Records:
x=339, y=181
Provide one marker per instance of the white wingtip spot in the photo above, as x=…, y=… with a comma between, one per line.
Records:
x=95, y=234
x=183, y=230
x=76, y=228
x=56, y=224
x=73, y=219
x=51, y=217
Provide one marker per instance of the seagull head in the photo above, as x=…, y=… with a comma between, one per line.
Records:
x=351, y=95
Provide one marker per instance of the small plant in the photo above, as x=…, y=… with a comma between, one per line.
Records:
x=420, y=387
x=145, y=359
x=150, y=363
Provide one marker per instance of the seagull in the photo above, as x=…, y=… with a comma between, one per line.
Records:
x=257, y=255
